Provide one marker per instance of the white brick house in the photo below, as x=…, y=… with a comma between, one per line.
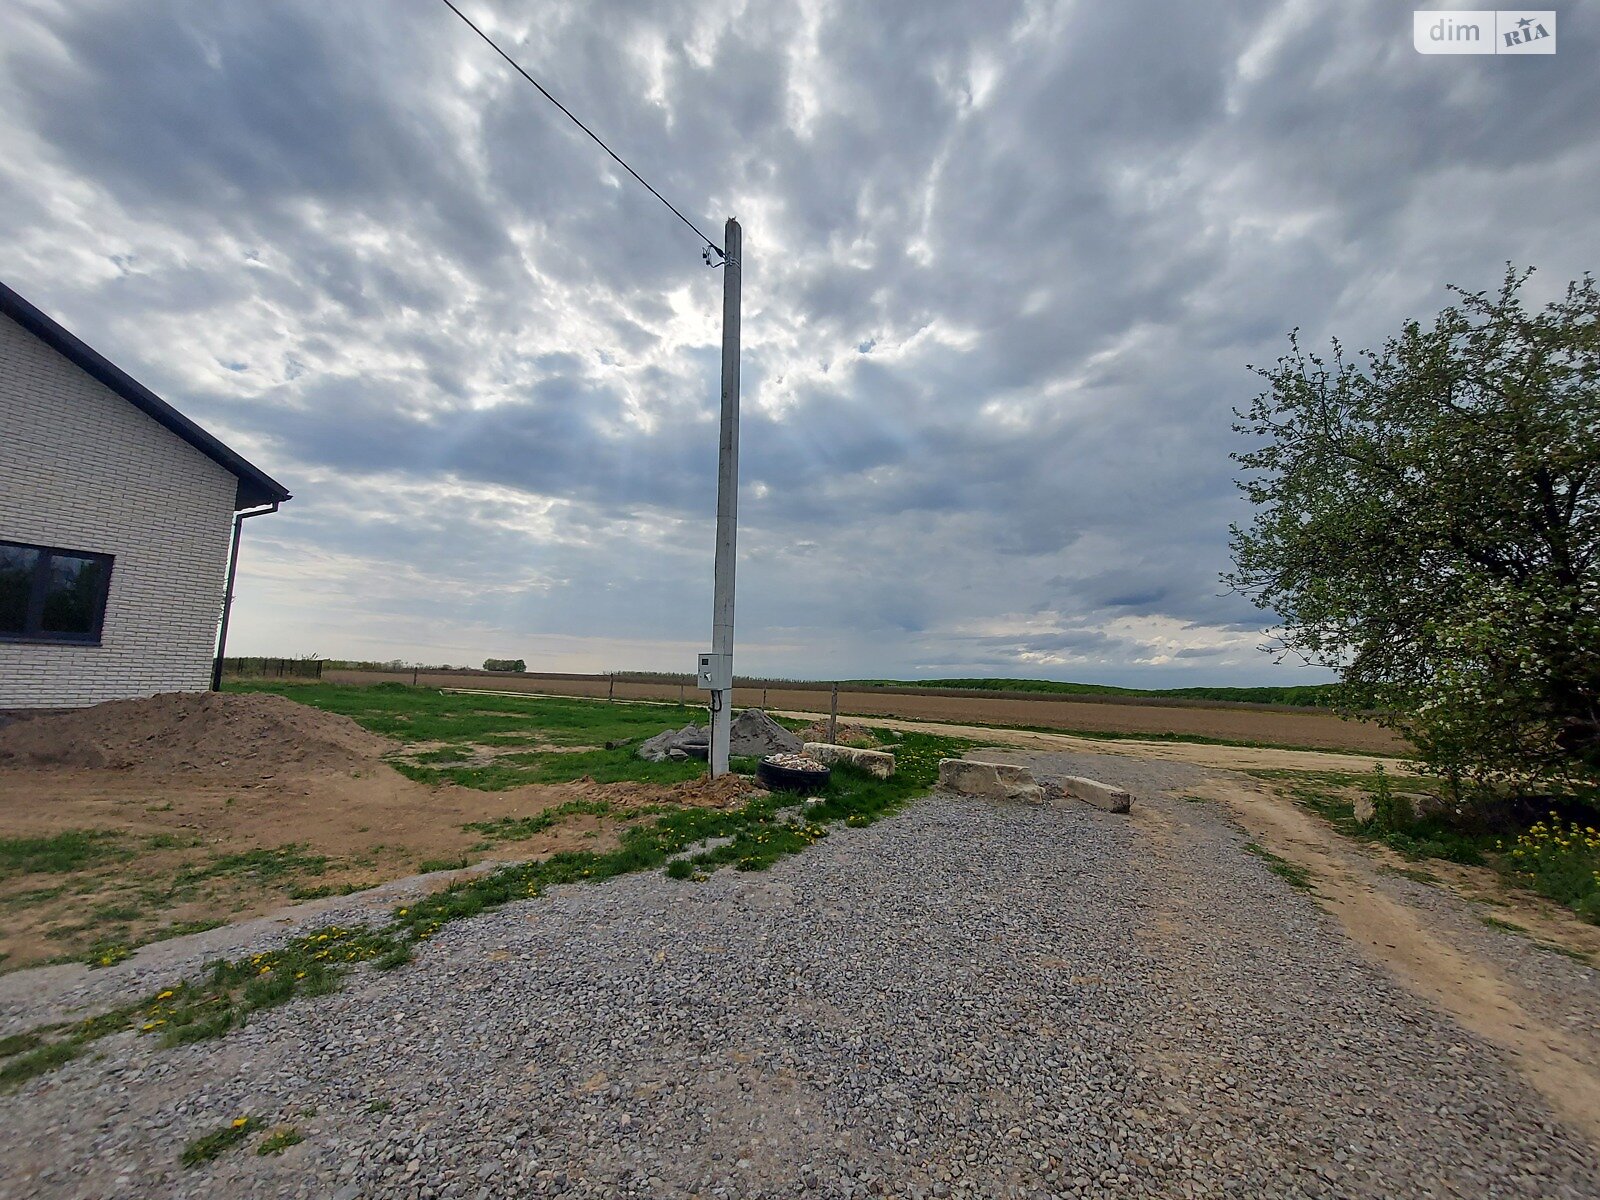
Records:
x=115, y=520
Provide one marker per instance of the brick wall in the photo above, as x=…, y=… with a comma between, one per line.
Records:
x=82, y=469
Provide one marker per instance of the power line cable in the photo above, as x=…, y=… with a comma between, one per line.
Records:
x=518, y=68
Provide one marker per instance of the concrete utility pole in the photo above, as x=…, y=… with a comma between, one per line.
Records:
x=721, y=679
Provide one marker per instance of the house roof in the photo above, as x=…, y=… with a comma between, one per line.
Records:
x=256, y=487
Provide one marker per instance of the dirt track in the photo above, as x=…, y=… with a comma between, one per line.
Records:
x=1317, y=730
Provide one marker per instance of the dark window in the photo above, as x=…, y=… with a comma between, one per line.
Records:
x=52, y=595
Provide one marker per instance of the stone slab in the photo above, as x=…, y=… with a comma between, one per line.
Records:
x=1092, y=791
x=877, y=763
x=995, y=781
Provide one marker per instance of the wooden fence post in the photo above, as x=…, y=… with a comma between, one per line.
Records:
x=611, y=687
x=833, y=715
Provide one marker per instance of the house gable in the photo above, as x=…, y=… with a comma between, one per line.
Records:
x=255, y=486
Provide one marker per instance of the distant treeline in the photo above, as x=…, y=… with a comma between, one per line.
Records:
x=1307, y=695
x=393, y=664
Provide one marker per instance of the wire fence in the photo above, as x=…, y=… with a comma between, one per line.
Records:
x=273, y=668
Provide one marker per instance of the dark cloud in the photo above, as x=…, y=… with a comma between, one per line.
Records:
x=1005, y=266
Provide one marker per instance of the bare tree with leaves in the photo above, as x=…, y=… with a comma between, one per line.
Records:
x=1427, y=523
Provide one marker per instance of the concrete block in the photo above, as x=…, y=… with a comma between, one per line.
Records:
x=996, y=781
x=1413, y=806
x=876, y=763
x=1092, y=791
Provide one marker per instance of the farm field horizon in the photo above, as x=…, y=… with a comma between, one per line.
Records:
x=1097, y=715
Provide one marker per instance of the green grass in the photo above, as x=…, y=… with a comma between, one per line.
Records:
x=759, y=833
x=32, y=1053
x=36, y=1062
x=214, y=1144
x=1319, y=791
x=1561, y=862
x=444, y=754
x=31, y=897
x=109, y=950
x=280, y=1140
x=260, y=866
x=169, y=841
x=1326, y=793
x=429, y=865
x=518, y=770
x=58, y=853
x=517, y=829
x=320, y=890
x=1507, y=926
x=420, y=714
x=19, y=1043
x=1292, y=873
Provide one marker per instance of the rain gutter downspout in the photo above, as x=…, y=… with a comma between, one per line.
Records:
x=227, y=595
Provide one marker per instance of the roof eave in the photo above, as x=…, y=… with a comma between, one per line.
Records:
x=255, y=488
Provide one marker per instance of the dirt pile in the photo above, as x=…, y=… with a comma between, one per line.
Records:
x=755, y=735
x=847, y=735
x=725, y=791
x=219, y=735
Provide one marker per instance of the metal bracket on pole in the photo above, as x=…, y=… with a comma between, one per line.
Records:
x=721, y=683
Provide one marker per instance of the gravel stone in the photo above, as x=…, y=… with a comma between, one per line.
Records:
x=966, y=1000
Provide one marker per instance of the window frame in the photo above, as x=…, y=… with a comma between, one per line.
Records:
x=33, y=621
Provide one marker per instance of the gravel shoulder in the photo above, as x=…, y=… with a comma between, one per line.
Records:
x=967, y=999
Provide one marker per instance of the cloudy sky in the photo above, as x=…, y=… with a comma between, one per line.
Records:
x=1005, y=266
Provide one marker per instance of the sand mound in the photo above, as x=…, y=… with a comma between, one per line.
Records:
x=221, y=735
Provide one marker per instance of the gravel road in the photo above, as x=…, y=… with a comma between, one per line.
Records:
x=966, y=1000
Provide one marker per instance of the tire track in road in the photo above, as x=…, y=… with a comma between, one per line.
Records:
x=1561, y=1064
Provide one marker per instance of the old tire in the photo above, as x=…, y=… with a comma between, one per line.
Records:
x=789, y=779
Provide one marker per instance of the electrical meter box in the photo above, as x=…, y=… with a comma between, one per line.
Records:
x=715, y=673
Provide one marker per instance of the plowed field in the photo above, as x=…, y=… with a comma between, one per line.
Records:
x=1240, y=723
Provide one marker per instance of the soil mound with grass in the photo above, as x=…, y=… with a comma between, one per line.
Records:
x=846, y=735
x=220, y=735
